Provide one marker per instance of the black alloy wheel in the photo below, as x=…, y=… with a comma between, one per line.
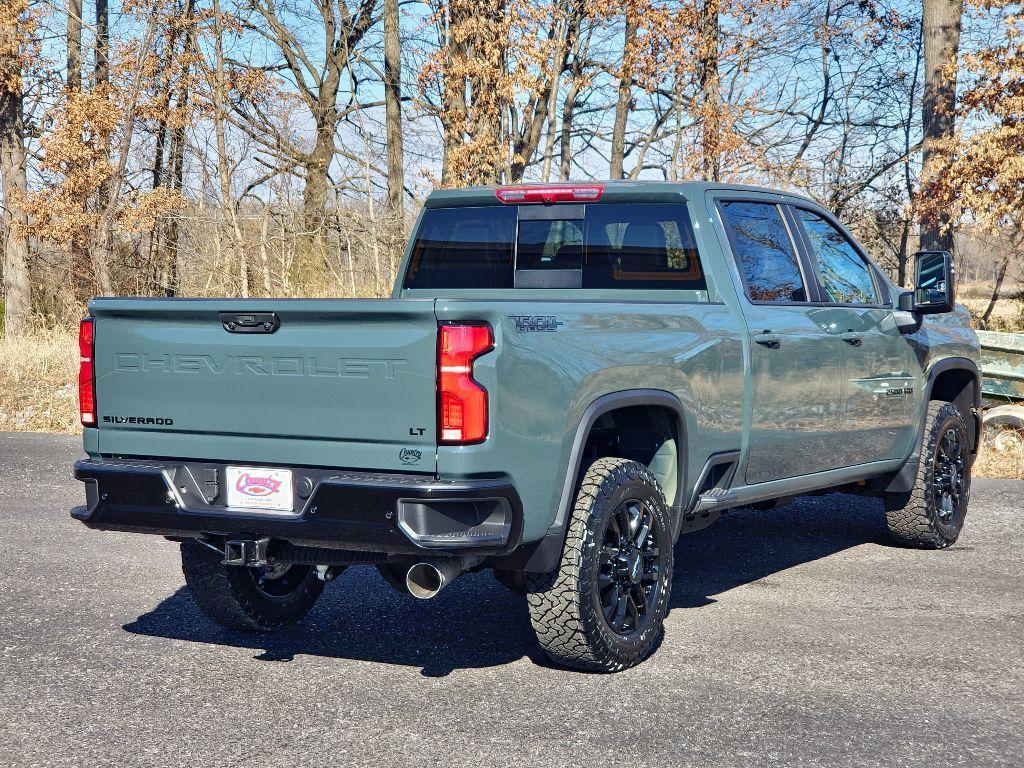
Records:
x=630, y=567
x=948, y=475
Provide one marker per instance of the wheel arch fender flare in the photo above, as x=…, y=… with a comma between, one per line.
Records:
x=902, y=480
x=613, y=402
x=543, y=555
x=951, y=364
x=946, y=365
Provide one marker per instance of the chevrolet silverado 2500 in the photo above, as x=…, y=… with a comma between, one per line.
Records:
x=566, y=378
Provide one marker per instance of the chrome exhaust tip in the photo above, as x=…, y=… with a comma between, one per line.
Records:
x=425, y=579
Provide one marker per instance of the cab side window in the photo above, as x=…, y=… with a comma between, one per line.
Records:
x=845, y=275
x=764, y=251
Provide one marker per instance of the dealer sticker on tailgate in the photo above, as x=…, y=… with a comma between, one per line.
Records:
x=260, y=488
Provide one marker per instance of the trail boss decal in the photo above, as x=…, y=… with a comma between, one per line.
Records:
x=536, y=323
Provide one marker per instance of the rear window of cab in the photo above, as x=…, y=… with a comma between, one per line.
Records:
x=608, y=245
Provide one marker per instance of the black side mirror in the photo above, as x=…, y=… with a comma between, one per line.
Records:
x=934, y=287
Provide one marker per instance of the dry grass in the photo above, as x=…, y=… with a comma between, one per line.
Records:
x=39, y=383
x=39, y=393
x=993, y=462
x=1007, y=315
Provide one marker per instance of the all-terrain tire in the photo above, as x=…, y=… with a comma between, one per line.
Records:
x=917, y=518
x=565, y=605
x=232, y=595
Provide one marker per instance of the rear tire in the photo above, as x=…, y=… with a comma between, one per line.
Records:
x=603, y=609
x=931, y=515
x=253, y=599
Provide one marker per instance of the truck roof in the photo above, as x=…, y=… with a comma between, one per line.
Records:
x=613, y=191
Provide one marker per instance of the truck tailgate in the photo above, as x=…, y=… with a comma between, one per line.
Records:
x=340, y=383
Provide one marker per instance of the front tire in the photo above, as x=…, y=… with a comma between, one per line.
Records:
x=253, y=599
x=931, y=515
x=603, y=608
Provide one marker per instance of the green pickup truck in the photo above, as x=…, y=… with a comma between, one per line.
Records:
x=566, y=378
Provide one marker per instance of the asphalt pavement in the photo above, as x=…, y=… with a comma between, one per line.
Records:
x=797, y=637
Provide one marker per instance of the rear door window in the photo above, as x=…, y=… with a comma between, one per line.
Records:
x=610, y=246
x=464, y=248
x=764, y=251
x=641, y=246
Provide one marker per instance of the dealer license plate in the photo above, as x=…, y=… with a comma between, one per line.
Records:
x=260, y=488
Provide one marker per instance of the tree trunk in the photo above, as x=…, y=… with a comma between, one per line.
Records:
x=314, y=196
x=81, y=277
x=393, y=109
x=618, y=149
x=996, y=290
x=102, y=68
x=709, y=85
x=318, y=162
x=568, y=108
x=903, y=257
x=454, y=130
x=579, y=54
x=453, y=100
x=264, y=252
x=74, y=75
x=223, y=171
x=162, y=130
x=102, y=249
x=940, y=23
x=176, y=156
x=489, y=129
x=567, y=42
x=17, y=291
x=102, y=245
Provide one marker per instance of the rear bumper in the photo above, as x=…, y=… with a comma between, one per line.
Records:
x=357, y=511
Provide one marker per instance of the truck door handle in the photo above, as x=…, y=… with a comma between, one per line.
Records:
x=852, y=338
x=768, y=339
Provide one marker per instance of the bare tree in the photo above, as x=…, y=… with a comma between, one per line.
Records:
x=79, y=255
x=219, y=87
x=393, y=108
x=625, y=99
x=170, y=269
x=540, y=108
x=17, y=291
x=940, y=22
x=318, y=77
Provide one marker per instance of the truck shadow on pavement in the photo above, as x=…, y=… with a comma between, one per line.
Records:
x=477, y=623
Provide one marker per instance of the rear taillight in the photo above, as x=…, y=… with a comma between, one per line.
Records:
x=86, y=373
x=526, y=194
x=461, y=402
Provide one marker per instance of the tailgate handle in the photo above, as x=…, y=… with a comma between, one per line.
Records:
x=250, y=322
